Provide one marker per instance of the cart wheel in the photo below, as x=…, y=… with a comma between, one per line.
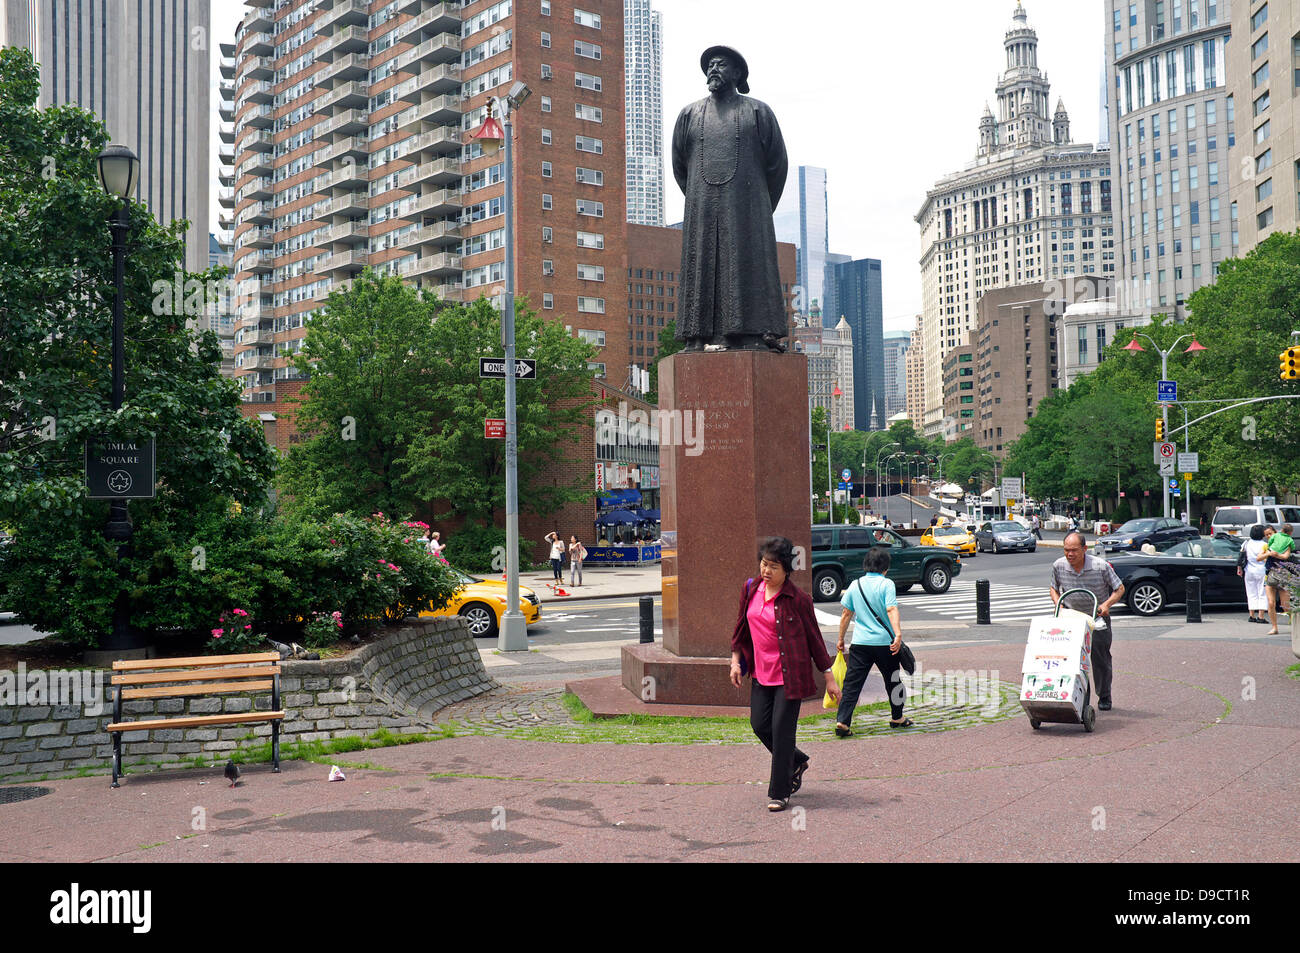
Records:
x=1035, y=723
x=1090, y=719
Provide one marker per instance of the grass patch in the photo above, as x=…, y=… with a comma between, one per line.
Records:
x=1293, y=671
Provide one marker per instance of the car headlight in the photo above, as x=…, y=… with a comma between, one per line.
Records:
x=1127, y=542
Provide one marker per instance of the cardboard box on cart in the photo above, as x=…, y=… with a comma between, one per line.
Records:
x=1056, y=666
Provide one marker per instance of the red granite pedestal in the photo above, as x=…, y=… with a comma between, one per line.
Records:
x=734, y=470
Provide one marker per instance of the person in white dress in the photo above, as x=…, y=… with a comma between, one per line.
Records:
x=1254, y=573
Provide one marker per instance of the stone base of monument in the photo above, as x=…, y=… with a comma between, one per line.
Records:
x=733, y=454
x=608, y=698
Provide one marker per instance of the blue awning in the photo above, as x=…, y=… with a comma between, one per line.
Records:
x=650, y=515
x=615, y=517
x=616, y=498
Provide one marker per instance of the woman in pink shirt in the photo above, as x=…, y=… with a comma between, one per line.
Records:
x=778, y=640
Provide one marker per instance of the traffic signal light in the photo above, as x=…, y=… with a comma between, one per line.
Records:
x=1160, y=428
x=1290, y=369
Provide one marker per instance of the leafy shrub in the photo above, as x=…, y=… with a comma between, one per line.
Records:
x=481, y=549
x=1122, y=513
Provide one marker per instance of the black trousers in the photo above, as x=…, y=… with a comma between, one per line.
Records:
x=1102, y=668
x=861, y=658
x=774, y=719
x=555, y=568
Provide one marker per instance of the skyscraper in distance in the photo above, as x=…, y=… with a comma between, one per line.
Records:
x=643, y=82
x=858, y=292
x=801, y=219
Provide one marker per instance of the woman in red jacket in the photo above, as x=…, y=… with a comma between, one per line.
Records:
x=777, y=639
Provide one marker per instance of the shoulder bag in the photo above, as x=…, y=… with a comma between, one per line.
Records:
x=905, y=657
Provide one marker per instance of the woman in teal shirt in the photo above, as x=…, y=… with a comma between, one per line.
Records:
x=871, y=604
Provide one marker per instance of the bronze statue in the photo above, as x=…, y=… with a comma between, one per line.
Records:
x=729, y=159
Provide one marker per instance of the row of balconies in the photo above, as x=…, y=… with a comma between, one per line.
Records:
x=353, y=94
x=343, y=13
x=351, y=120
x=444, y=110
x=445, y=170
x=262, y=117
x=444, y=49
x=258, y=141
x=256, y=67
x=440, y=20
x=352, y=39
x=350, y=67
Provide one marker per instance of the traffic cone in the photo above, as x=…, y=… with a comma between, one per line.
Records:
x=559, y=591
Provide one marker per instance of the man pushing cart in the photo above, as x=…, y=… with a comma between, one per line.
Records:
x=1080, y=570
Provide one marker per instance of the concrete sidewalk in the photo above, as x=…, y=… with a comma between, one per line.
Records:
x=1199, y=761
x=598, y=582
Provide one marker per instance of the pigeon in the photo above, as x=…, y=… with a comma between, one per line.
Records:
x=301, y=653
x=284, y=650
x=232, y=773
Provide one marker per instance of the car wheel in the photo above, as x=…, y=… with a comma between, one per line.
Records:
x=995, y=547
x=937, y=578
x=1146, y=598
x=901, y=588
x=482, y=620
x=1033, y=549
x=827, y=585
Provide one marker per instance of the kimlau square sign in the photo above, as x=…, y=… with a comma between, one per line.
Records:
x=120, y=469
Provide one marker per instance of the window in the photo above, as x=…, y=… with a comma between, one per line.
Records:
x=1265, y=218
x=546, y=40
x=1259, y=77
x=1214, y=210
x=592, y=337
x=547, y=202
x=548, y=266
x=591, y=240
x=1259, y=18
x=1191, y=116
x=1264, y=161
x=1261, y=103
x=1262, y=132
x=587, y=144
x=546, y=8
x=1259, y=47
x=1211, y=113
x=546, y=104
x=590, y=50
x=1214, y=173
x=548, y=300
x=591, y=305
x=590, y=176
x=546, y=71
x=591, y=272
x=583, y=18
x=546, y=170
x=548, y=236
x=589, y=113
x=546, y=137
x=1264, y=189
x=588, y=207
x=586, y=81
x=1196, y=220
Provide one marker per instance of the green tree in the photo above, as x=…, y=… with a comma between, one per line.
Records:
x=395, y=407
x=56, y=300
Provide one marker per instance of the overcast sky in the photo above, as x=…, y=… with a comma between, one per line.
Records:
x=886, y=96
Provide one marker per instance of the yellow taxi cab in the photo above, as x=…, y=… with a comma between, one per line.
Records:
x=482, y=602
x=950, y=537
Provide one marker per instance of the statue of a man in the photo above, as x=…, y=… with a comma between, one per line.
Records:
x=729, y=159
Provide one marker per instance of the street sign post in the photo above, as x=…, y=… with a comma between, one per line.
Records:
x=525, y=368
x=1011, y=488
x=1173, y=485
x=1163, y=450
x=1167, y=468
x=494, y=428
x=1189, y=462
x=120, y=469
x=1166, y=392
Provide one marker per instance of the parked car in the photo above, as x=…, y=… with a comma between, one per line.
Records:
x=838, y=552
x=1158, y=531
x=1004, y=535
x=483, y=602
x=955, y=538
x=1237, y=520
x=1153, y=582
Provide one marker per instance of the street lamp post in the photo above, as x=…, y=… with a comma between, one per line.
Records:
x=119, y=171
x=878, y=455
x=1164, y=376
x=513, y=636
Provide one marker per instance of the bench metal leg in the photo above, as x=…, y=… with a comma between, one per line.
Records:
x=117, y=757
x=275, y=747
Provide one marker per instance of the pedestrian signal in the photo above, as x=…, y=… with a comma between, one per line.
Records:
x=1290, y=366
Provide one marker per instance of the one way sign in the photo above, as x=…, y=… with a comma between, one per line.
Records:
x=525, y=368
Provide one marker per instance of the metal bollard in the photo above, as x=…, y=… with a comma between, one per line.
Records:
x=647, y=619
x=1193, y=598
x=982, y=602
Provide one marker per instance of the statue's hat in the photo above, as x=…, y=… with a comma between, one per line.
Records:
x=742, y=85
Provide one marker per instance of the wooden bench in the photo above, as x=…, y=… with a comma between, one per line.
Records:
x=190, y=677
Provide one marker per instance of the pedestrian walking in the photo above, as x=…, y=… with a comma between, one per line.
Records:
x=1252, y=571
x=1205, y=524
x=867, y=604
x=1078, y=569
x=557, y=555
x=1037, y=525
x=577, y=553
x=777, y=641
x=433, y=543
x=1280, y=573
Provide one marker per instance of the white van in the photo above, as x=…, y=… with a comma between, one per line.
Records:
x=1237, y=520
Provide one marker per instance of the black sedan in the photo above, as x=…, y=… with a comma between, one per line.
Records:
x=1159, y=532
x=1004, y=535
x=1153, y=582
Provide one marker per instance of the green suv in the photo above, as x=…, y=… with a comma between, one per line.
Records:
x=837, y=553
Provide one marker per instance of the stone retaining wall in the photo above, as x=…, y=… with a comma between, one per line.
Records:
x=395, y=683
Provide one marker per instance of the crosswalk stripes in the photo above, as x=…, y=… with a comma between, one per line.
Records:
x=1007, y=603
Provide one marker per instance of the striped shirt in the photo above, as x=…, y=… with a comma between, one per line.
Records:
x=1097, y=576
